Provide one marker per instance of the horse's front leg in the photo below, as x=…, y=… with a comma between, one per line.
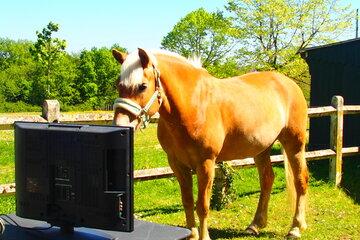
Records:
x=205, y=173
x=184, y=177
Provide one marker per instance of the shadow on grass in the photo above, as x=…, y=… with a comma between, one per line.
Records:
x=160, y=210
x=274, y=190
x=229, y=233
x=350, y=184
x=351, y=178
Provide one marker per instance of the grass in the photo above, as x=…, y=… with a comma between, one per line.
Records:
x=6, y=156
x=332, y=213
x=147, y=150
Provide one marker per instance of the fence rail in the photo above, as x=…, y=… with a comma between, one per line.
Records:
x=335, y=153
x=7, y=122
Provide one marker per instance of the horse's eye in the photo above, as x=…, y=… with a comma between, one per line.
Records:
x=142, y=87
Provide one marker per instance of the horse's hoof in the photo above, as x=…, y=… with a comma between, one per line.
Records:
x=294, y=233
x=252, y=230
x=194, y=234
x=193, y=238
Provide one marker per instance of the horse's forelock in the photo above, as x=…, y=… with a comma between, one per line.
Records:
x=131, y=70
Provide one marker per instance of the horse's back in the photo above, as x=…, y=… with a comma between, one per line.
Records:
x=257, y=107
x=271, y=81
x=274, y=86
x=258, y=93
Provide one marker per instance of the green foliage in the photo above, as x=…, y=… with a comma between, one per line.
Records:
x=19, y=106
x=48, y=52
x=222, y=192
x=202, y=34
x=47, y=49
x=228, y=68
x=276, y=31
x=97, y=76
x=16, y=68
x=86, y=106
x=32, y=72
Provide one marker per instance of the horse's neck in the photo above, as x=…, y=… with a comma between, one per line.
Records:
x=181, y=87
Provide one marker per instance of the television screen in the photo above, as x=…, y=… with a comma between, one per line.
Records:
x=75, y=175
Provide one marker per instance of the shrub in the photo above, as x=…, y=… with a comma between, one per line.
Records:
x=18, y=107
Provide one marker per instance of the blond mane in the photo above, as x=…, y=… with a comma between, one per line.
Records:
x=132, y=71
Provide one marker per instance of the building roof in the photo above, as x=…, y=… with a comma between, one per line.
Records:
x=331, y=44
x=344, y=52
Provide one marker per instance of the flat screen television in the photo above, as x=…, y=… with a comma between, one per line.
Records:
x=75, y=175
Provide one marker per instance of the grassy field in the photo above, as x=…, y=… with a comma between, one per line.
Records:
x=332, y=213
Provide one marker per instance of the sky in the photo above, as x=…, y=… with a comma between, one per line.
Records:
x=88, y=23
x=101, y=23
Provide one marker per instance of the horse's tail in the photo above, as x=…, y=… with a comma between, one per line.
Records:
x=290, y=186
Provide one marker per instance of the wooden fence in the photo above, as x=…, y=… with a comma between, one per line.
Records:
x=336, y=111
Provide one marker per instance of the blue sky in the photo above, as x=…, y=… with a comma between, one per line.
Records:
x=93, y=23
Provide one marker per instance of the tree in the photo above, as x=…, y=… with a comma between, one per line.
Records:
x=276, y=31
x=97, y=76
x=229, y=67
x=65, y=88
x=16, y=70
x=87, y=76
x=47, y=52
x=204, y=34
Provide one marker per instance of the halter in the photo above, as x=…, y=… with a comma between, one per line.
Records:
x=141, y=112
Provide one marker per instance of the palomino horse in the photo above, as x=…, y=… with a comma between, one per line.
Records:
x=205, y=120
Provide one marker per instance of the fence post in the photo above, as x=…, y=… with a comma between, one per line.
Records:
x=51, y=110
x=336, y=140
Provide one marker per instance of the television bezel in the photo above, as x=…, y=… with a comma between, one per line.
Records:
x=123, y=197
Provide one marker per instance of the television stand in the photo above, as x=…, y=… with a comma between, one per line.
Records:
x=67, y=229
x=143, y=230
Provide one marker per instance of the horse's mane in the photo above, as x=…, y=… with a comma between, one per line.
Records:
x=194, y=60
x=132, y=72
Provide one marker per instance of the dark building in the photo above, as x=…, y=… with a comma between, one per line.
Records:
x=334, y=70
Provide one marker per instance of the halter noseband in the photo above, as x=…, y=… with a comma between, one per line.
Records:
x=134, y=108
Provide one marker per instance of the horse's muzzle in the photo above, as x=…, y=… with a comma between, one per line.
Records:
x=124, y=120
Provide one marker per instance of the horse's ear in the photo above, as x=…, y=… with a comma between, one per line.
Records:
x=144, y=58
x=119, y=56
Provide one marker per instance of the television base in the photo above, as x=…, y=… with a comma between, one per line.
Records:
x=142, y=230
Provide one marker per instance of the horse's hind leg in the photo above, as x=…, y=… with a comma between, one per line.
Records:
x=184, y=177
x=294, y=145
x=266, y=175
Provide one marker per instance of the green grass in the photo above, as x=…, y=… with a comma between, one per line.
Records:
x=147, y=150
x=331, y=213
x=6, y=156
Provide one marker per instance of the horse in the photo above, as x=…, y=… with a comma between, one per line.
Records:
x=205, y=120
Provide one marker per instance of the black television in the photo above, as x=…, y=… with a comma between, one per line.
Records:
x=75, y=175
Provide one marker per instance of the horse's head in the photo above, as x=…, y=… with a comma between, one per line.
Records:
x=139, y=88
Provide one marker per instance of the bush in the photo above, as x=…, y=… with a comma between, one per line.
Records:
x=87, y=106
x=18, y=107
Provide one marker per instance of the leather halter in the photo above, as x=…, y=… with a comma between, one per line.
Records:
x=141, y=112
